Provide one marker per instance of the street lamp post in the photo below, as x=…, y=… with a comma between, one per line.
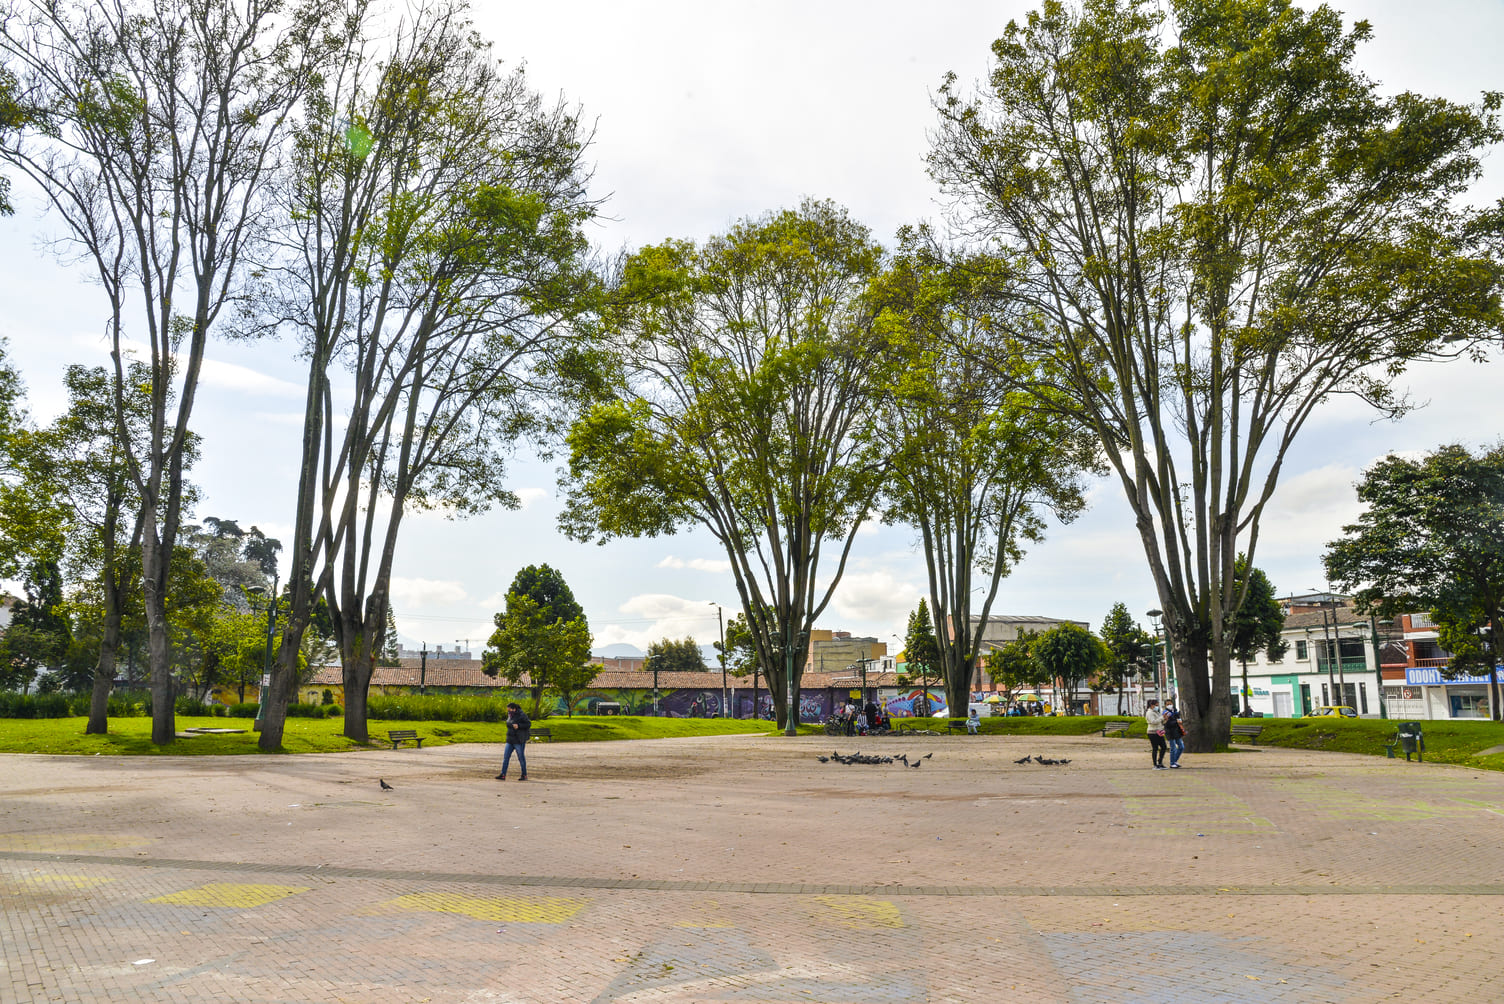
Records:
x=266, y=661
x=720, y=620
x=1155, y=615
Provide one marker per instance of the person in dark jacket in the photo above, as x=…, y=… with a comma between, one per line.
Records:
x=519, y=728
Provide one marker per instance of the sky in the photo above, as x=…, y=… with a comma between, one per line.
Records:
x=707, y=113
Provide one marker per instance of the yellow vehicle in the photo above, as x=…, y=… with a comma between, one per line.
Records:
x=1333, y=711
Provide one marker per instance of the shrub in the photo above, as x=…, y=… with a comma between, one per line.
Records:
x=246, y=710
x=191, y=706
x=219, y=710
x=17, y=705
x=305, y=711
x=335, y=710
x=328, y=697
x=437, y=708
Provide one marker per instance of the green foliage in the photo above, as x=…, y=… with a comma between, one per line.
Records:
x=16, y=705
x=747, y=370
x=1013, y=667
x=669, y=656
x=1127, y=643
x=1431, y=537
x=1260, y=620
x=191, y=706
x=740, y=653
x=1217, y=224
x=921, y=652
x=245, y=709
x=438, y=708
x=1069, y=653
x=542, y=639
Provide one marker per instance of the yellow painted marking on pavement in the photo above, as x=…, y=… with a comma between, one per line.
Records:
x=705, y=915
x=859, y=913
x=232, y=894
x=503, y=910
x=74, y=881
x=68, y=842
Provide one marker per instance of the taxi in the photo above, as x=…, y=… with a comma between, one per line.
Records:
x=1333, y=711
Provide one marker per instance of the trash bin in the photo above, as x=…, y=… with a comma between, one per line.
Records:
x=1412, y=740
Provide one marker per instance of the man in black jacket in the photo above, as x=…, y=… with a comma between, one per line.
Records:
x=519, y=728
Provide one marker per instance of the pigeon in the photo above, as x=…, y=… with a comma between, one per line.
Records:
x=917, y=763
x=384, y=785
x=823, y=759
x=1062, y=761
x=1026, y=759
x=926, y=756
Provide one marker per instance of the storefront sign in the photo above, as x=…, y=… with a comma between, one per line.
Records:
x=1433, y=678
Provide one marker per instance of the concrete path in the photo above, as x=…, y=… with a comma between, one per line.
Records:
x=742, y=869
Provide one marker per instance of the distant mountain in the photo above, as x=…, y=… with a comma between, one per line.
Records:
x=618, y=651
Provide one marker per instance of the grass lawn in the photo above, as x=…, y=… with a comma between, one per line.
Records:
x=132, y=736
x=1459, y=742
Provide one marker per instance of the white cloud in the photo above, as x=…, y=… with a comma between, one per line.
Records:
x=417, y=593
x=878, y=596
x=234, y=377
x=718, y=565
x=650, y=617
x=530, y=495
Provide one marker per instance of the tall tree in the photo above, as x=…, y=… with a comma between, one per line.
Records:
x=80, y=456
x=542, y=639
x=1128, y=645
x=1260, y=622
x=433, y=260
x=749, y=368
x=164, y=119
x=1216, y=225
x=1431, y=537
x=977, y=464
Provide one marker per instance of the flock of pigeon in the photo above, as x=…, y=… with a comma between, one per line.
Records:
x=902, y=758
x=1044, y=760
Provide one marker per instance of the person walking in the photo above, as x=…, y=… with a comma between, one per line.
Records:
x=1174, y=732
x=1154, y=722
x=519, y=730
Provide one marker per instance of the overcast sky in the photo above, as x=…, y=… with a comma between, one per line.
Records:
x=707, y=113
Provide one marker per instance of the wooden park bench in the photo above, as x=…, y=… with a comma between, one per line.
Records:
x=1249, y=731
x=956, y=725
x=400, y=736
x=538, y=734
x=1116, y=729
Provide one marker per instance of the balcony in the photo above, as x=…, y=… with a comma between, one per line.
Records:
x=1344, y=666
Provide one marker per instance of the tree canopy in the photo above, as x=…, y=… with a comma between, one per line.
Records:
x=1431, y=537
x=670, y=656
x=542, y=639
x=1216, y=223
x=747, y=369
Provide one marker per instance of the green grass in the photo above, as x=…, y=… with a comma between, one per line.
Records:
x=132, y=736
x=1456, y=742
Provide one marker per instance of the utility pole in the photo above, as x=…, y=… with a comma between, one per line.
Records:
x=423, y=669
x=1333, y=697
x=720, y=620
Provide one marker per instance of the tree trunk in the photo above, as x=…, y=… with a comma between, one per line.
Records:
x=163, y=723
x=356, y=673
x=99, y=700
x=1206, y=725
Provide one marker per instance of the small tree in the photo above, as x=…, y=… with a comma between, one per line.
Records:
x=542, y=639
x=1070, y=654
x=922, y=652
x=1012, y=666
x=1128, y=645
x=1259, y=624
x=669, y=656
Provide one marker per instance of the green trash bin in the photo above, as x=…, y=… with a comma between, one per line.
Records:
x=1412, y=740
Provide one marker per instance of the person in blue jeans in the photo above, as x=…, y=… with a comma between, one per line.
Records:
x=1174, y=731
x=519, y=729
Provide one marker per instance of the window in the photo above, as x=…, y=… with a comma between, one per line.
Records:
x=1300, y=651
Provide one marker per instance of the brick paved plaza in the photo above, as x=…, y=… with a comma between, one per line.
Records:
x=742, y=869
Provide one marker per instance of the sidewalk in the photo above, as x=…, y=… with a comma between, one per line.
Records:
x=742, y=869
